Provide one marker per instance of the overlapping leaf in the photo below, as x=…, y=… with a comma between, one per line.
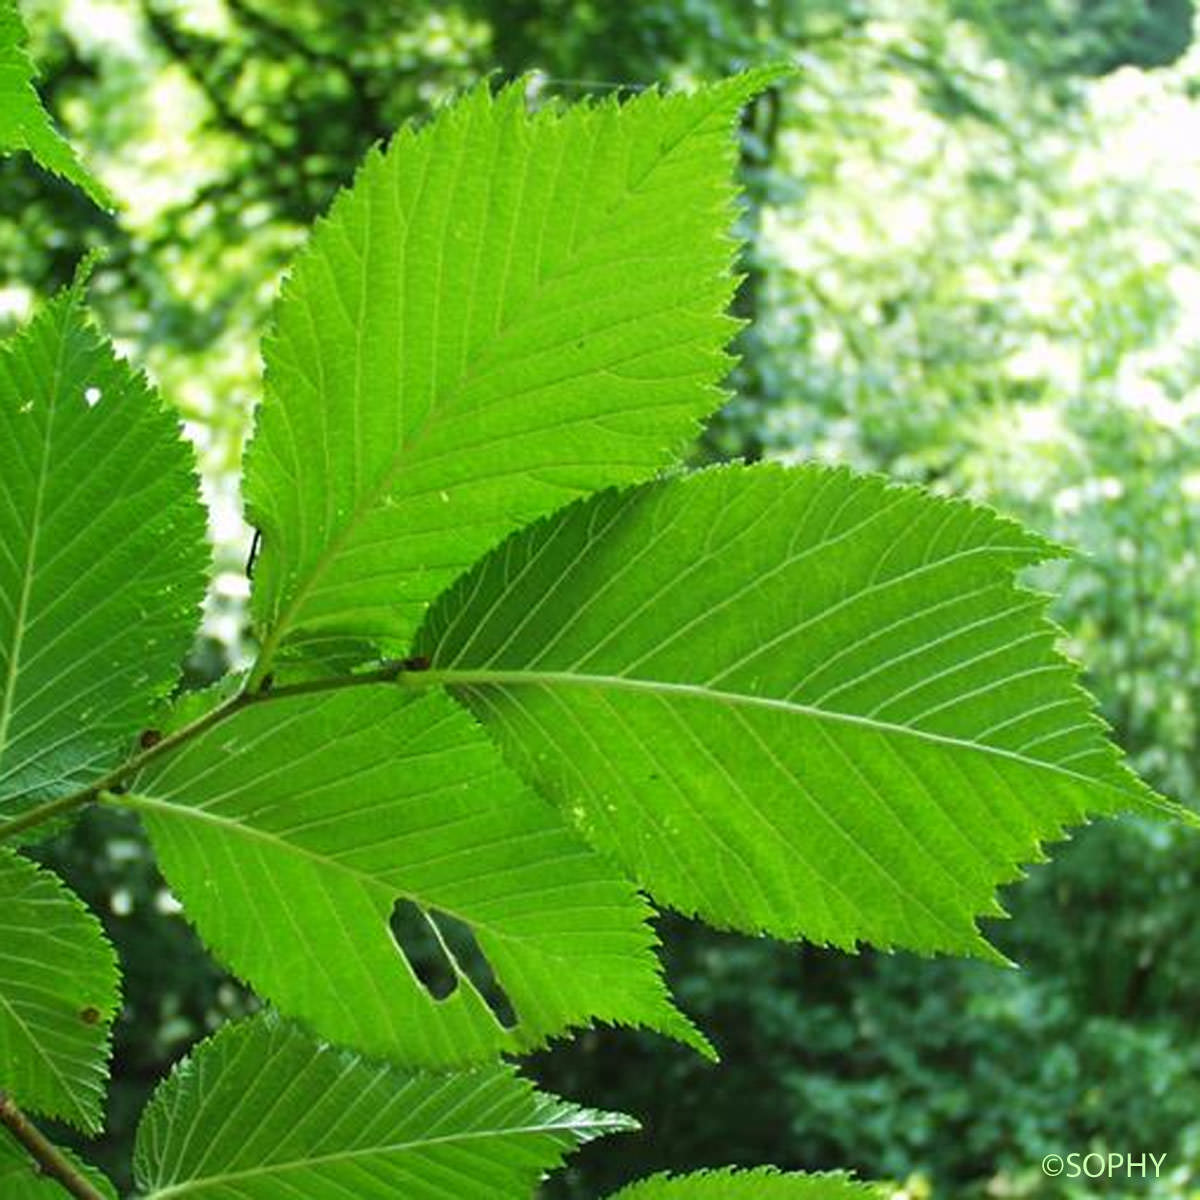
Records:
x=291, y=829
x=24, y=123
x=795, y=701
x=261, y=1111
x=505, y=312
x=58, y=995
x=764, y=1183
x=102, y=558
x=22, y=1179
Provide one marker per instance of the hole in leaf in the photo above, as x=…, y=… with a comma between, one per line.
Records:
x=441, y=949
x=418, y=940
x=459, y=939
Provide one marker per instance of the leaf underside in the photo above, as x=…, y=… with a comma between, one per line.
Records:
x=506, y=311
x=798, y=701
x=102, y=556
x=291, y=829
x=262, y=1111
x=58, y=995
x=24, y=123
x=764, y=1183
x=801, y=702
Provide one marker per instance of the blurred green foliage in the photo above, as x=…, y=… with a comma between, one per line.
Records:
x=973, y=261
x=1084, y=37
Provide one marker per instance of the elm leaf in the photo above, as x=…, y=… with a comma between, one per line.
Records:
x=102, y=556
x=261, y=1111
x=24, y=123
x=506, y=311
x=762, y=1183
x=58, y=996
x=293, y=830
x=795, y=701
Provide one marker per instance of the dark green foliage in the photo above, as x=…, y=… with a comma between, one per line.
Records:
x=1086, y=37
x=894, y=1065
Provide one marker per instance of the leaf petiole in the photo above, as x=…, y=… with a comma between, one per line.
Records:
x=391, y=672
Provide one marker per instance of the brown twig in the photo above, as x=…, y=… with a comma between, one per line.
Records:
x=50, y=1161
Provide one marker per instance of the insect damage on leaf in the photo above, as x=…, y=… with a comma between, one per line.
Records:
x=431, y=816
x=512, y=679
x=789, y=700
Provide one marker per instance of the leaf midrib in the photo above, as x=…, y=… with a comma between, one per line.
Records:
x=182, y=1189
x=484, y=677
x=22, y=613
x=42, y=1053
x=365, y=879
x=306, y=584
x=50, y=1061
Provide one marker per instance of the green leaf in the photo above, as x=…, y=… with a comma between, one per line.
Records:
x=797, y=701
x=58, y=995
x=506, y=311
x=291, y=830
x=764, y=1183
x=21, y=1178
x=24, y=123
x=261, y=1111
x=102, y=556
